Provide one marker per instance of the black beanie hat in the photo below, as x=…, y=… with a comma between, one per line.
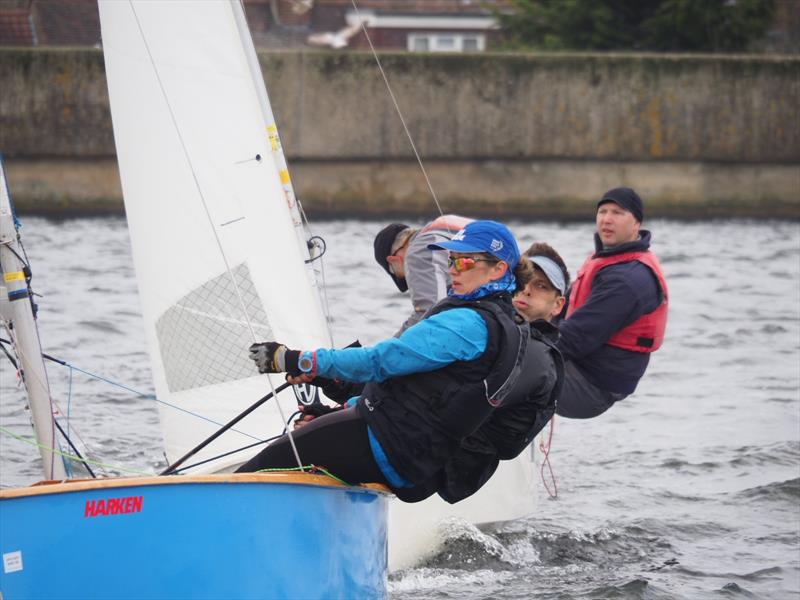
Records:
x=627, y=199
x=383, y=248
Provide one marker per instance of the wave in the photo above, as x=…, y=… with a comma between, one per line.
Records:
x=633, y=590
x=465, y=546
x=788, y=490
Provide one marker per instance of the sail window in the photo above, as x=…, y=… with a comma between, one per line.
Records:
x=204, y=336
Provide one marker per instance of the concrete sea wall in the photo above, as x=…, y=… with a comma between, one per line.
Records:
x=524, y=135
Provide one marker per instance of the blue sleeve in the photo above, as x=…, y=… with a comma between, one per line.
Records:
x=449, y=336
x=620, y=295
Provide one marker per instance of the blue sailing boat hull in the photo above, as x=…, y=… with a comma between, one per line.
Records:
x=212, y=536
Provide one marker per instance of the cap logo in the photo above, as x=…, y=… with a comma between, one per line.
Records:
x=496, y=245
x=459, y=236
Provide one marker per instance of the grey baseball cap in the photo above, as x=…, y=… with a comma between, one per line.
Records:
x=552, y=271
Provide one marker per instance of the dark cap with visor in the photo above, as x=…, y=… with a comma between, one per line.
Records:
x=383, y=247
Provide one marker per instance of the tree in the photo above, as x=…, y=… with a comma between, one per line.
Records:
x=659, y=25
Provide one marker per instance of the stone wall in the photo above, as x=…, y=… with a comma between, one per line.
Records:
x=528, y=135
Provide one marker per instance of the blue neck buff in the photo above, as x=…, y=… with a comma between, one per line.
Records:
x=507, y=283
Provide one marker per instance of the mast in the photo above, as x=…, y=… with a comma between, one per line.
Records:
x=19, y=316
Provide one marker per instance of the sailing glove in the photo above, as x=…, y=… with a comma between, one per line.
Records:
x=272, y=357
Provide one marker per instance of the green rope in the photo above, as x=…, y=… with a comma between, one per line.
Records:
x=304, y=468
x=72, y=456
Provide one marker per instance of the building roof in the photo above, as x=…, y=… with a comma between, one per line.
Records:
x=16, y=28
x=422, y=6
x=73, y=23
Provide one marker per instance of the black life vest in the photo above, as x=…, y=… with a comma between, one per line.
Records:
x=420, y=419
x=512, y=427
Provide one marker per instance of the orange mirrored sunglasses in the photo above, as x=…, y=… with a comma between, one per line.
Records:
x=465, y=263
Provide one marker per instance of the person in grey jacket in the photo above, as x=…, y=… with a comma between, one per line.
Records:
x=404, y=254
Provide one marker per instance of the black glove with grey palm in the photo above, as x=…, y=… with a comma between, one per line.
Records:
x=272, y=357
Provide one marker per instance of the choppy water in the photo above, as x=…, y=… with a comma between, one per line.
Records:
x=689, y=489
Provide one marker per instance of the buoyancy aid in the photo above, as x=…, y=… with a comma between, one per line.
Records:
x=510, y=429
x=646, y=334
x=420, y=419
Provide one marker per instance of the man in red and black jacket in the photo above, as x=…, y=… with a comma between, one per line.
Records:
x=617, y=311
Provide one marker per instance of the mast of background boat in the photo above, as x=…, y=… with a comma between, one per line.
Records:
x=272, y=134
x=19, y=312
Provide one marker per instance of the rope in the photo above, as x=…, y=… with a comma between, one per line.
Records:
x=218, y=456
x=64, y=363
x=69, y=408
x=396, y=106
x=308, y=469
x=71, y=456
x=30, y=376
x=544, y=447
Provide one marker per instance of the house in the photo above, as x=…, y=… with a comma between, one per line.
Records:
x=413, y=25
x=416, y=25
x=49, y=23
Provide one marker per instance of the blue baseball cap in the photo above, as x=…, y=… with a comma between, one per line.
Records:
x=484, y=236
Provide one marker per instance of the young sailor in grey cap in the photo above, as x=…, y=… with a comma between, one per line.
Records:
x=545, y=294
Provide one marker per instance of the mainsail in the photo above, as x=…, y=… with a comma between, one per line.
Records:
x=214, y=226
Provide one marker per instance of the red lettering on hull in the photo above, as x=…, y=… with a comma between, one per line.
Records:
x=113, y=506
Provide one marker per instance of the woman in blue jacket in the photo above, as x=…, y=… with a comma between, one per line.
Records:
x=428, y=388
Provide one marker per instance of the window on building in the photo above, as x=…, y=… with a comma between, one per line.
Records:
x=418, y=43
x=471, y=44
x=446, y=42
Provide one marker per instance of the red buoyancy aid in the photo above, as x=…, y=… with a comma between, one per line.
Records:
x=646, y=334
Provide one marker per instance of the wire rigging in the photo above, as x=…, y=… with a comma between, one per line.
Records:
x=396, y=106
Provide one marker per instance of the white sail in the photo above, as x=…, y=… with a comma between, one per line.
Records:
x=215, y=245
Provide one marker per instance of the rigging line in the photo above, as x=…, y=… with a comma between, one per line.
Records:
x=69, y=413
x=396, y=106
x=64, y=363
x=71, y=456
x=171, y=468
x=74, y=449
x=242, y=449
x=205, y=207
x=544, y=447
x=208, y=460
x=53, y=401
x=31, y=376
x=10, y=358
x=15, y=253
x=326, y=309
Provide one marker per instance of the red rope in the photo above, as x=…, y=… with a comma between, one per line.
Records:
x=544, y=448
